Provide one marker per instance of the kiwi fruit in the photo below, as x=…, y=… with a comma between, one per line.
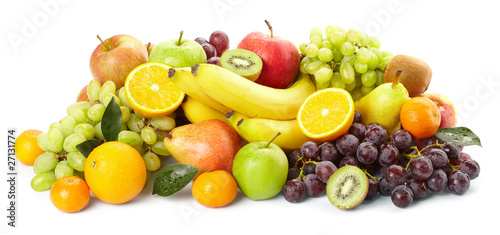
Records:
x=347, y=187
x=416, y=75
x=242, y=62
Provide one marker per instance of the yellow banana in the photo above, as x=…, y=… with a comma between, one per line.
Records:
x=261, y=129
x=243, y=95
x=197, y=111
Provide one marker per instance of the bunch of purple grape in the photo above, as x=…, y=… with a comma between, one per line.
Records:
x=217, y=43
x=396, y=165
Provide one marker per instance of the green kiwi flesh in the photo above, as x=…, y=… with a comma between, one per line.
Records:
x=242, y=62
x=347, y=187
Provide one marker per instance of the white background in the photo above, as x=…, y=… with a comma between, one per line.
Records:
x=42, y=76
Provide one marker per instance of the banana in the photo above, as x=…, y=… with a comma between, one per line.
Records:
x=242, y=95
x=197, y=111
x=261, y=129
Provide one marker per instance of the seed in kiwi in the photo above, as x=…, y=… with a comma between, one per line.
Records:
x=347, y=187
x=416, y=76
x=242, y=62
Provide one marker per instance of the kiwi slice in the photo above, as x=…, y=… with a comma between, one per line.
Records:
x=242, y=62
x=347, y=187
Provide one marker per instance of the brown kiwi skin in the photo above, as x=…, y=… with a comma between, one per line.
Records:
x=416, y=75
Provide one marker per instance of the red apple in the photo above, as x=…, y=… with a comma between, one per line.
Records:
x=280, y=58
x=82, y=95
x=114, y=58
x=446, y=108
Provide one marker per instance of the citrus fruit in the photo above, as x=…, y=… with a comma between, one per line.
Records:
x=115, y=172
x=421, y=117
x=214, y=189
x=326, y=114
x=70, y=194
x=150, y=92
x=26, y=147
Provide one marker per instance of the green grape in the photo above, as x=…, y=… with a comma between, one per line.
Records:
x=79, y=174
x=98, y=131
x=125, y=114
x=140, y=149
x=93, y=90
x=369, y=78
x=82, y=105
x=159, y=148
x=63, y=169
x=312, y=50
x=365, y=89
x=384, y=62
x=364, y=40
x=359, y=67
x=123, y=99
x=330, y=29
x=356, y=94
x=327, y=44
x=86, y=130
x=149, y=135
x=79, y=115
x=57, y=125
x=45, y=162
x=76, y=160
x=107, y=98
x=350, y=86
x=68, y=125
x=338, y=38
x=152, y=161
x=302, y=48
x=373, y=42
x=130, y=137
x=55, y=140
x=43, y=181
x=42, y=141
x=373, y=64
x=95, y=112
x=317, y=40
x=135, y=123
x=303, y=64
x=363, y=55
x=323, y=75
x=337, y=81
x=347, y=73
x=325, y=54
x=314, y=66
x=348, y=48
x=387, y=53
x=106, y=88
x=354, y=35
x=350, y=59
x=72, y=141
x=322, y=85
x=315, y=32
x=377, y=53
x=337, y=55
x=380, y=78
x=358, y=80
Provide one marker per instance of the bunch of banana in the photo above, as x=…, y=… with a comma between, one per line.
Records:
x=224, y=91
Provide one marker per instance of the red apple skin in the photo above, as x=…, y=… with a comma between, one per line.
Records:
x=280, y=58
x=446, y=108
x=82, y=95
x=125, y=54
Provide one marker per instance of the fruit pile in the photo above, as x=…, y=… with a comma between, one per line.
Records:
x=335, y=115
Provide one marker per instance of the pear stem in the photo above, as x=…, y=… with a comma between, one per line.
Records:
x=104, y=44
x=164, y=133
x=270, y=27
x=395, y=81
x=277, y=134
x=180, y=38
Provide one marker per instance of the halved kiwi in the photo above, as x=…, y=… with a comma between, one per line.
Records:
x=242, y=62
x=347, y=187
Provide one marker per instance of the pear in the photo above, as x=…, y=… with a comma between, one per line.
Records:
x=383, y=104
x=210, y=145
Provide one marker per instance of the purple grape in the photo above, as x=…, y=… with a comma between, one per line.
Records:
x=293, y=159
x=402, y=196
x=328, y=152
x=309, y=168
x=421, y=167
x=438, y=157
x=388, y=154
x=418, y=187
x=220, y=41
x=309, y=150
x=461, y=158
x=367, y=153
x=201, y=40
x=294, y=190
x=471, y=168
x=452, y=150
x=209, y=49
x=349, y=161
x=347, y=144
x=385, y=188
x=358, y=130
x=458, y=182
x=375, y=134
x=438, y=181
x=395, y=175
x=314, y=186
x=293, y=173
x=372, y=189
x=357, y=117
x=324, y=170
x=214, y=60
x=372, y=124
x=401, y=139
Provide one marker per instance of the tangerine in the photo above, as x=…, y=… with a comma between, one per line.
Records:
x=214, y=189
x=421, y=117
x=26, y=147
x=70, y=194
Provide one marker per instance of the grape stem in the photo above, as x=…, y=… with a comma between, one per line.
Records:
x=419, y=152
x=371, y=176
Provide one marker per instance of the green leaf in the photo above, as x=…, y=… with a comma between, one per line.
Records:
x=462, y=136
x=111, y=123
x=173, y=178
x=87, y=146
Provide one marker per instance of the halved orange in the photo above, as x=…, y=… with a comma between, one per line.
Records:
x=326, y=114
x=150, y=92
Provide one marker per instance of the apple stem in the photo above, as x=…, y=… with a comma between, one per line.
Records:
x=180, y=38
x=147, y=48
x=395, y=81
x=104, y=44
x=270, y=27
x=277, y=134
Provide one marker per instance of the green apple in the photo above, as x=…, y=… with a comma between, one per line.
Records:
x=260, y=169
x=178, y=53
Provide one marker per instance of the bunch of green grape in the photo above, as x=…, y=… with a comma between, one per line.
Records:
x=350, y=60
x=83, y=122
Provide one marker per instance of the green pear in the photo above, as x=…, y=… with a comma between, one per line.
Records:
x=383, y=104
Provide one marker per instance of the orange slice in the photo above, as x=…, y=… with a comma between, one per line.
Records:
x=150, y=92
x=326, y=114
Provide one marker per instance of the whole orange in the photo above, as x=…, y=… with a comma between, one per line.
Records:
x=70, y=194
x=421, y=117
x=26, y=147
x=214, y=189
x=115, y=172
